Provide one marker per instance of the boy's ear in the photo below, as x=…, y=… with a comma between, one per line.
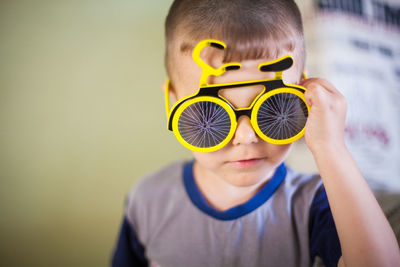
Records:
x=167, y=85
x=303, y=75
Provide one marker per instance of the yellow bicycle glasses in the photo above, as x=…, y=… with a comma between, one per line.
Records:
x=205, y=121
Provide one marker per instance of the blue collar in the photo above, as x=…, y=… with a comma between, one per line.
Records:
x=233, y=213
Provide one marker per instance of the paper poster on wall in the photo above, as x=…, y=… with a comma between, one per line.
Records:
x=355, y=44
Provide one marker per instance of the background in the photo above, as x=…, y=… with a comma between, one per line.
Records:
x=82, y=118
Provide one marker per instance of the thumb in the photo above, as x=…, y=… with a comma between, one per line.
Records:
x=314, y=94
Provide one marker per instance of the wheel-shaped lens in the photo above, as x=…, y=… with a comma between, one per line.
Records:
x=204, y=124
x=280, y=116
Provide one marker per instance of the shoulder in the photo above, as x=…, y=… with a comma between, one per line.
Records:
x=155, y=188
x=157, y=181
x=298, y=191
x=302, y=184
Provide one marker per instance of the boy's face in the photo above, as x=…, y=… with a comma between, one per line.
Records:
x=246, y=160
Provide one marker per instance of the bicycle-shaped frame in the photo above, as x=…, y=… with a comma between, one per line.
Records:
x=200, y=131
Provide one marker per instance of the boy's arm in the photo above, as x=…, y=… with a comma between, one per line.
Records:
x=128, y=251
x=365, y=235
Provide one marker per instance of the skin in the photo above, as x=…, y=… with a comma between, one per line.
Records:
x=235, y=173
x=366, y=237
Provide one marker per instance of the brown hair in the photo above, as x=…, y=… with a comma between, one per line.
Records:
x=252, y=29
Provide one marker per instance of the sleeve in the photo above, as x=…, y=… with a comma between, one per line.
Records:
x=129, y=251
x=324, y=240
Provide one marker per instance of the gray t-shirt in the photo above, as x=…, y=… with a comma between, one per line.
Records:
x=175, y=226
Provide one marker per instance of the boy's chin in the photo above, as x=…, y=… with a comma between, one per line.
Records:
x=247, y=179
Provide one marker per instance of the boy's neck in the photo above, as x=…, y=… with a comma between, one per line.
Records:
x=220, y=194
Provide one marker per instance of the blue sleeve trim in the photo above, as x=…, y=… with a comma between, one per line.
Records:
x=129, y=250
x=233, y=213
x=324, y=240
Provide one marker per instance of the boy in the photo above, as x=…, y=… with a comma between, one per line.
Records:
x=240, y=205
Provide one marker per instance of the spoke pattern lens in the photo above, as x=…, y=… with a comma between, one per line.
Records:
x=282, y=116
x=204, y=124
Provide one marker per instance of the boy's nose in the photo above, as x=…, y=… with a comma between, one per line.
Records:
x=245, y=133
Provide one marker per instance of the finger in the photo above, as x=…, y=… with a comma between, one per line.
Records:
x=316, y=95
x=323, y=85
x=327, y=85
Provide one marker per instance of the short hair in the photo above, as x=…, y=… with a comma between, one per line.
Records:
x=252, y=29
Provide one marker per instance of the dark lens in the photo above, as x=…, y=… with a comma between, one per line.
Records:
x=204, y=124
x=282, y=116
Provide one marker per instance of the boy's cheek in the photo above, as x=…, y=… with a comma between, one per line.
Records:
x=211, y=160
x=208, y=157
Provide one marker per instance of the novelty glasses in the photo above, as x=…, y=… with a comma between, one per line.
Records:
x=206, y=121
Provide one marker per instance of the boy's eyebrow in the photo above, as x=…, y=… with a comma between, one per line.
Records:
x=186, y=47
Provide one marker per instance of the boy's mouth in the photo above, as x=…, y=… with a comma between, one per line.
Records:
x=246, y=162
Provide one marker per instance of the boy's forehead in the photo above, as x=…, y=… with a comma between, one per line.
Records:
x=188, y=73
x=214, y=57
x=236, y=52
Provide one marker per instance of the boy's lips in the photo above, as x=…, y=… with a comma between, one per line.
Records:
x=246, y=162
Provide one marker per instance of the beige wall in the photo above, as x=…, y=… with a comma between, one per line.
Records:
x=82, y=117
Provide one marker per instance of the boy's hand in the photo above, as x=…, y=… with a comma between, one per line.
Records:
x=326, y=120
x=366, y=238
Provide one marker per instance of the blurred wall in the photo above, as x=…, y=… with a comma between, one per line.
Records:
x=355, y=44
x=81, y=116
